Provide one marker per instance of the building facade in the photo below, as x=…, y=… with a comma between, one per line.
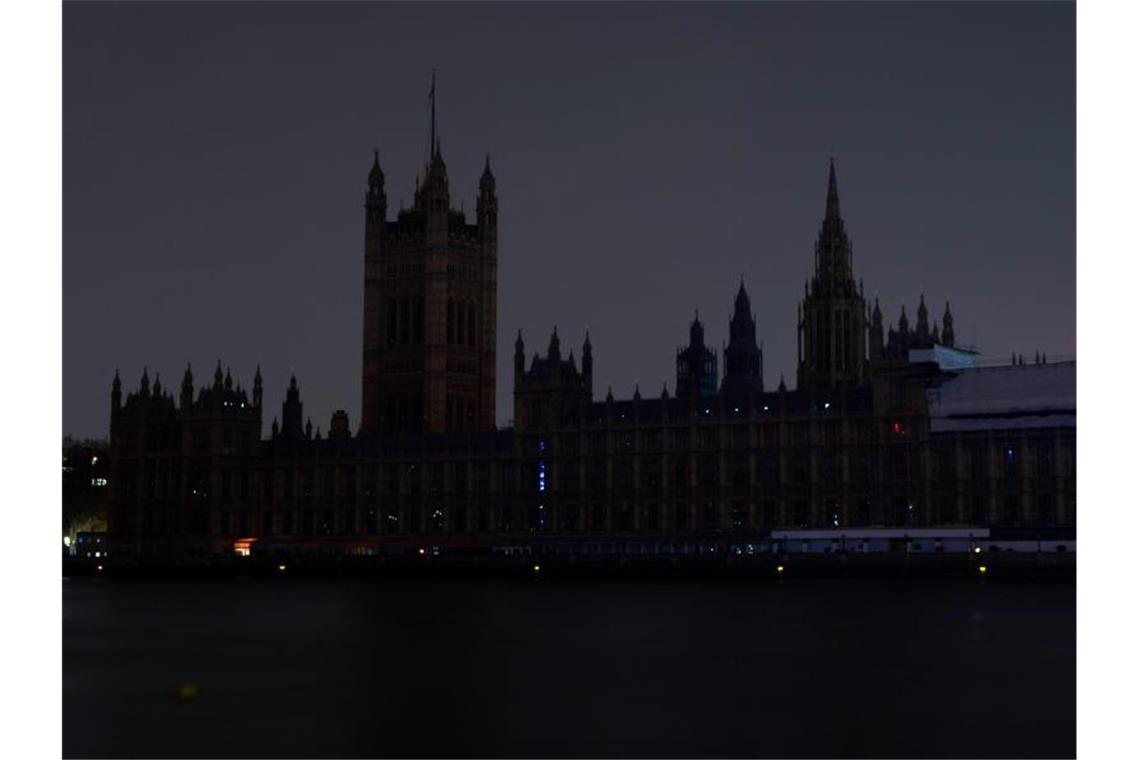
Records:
x=881, y=430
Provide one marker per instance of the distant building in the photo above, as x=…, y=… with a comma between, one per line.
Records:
x=891, y=431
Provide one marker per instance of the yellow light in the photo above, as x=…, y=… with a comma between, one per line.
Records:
x=537, y=568
x=280, y=568
x=779, y=568
x=187, y=692
x=982, y=569
x=99, y=568
x=977, y=550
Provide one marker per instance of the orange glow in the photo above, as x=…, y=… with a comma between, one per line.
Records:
x=242, y=546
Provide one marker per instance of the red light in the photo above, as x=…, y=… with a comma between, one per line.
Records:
x=897, y=428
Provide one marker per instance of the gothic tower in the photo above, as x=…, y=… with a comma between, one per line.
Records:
x=833, y=337
x=429, y=305
x=743, y=359
x=696, y=364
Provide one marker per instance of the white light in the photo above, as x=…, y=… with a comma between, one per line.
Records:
x=827, y=405
x=94, y=460
x=96, y=555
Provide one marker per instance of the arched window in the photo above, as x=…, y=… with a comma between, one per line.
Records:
x=450, y=320
x=391, y=321
x=470, y=323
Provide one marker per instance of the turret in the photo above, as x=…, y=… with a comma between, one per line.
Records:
x=554, y=350
x=338, y=426
x=218, y=376
x=257, y=390
x=187, y=397
x=554, y=356
x=875, y=349
x=697, y=331
x=588, y=366
x=229, y=383
x=291, y=411
x=487, y=207
x=375, y=207
x=696, y=364
x=922, y=326
x=904, y=325
x=520, y=359
x=144, y=384
x=947, y=327
x=743, y=358
x=157, y=392
x=116, y=394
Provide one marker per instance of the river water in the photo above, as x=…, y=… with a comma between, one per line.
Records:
x=289, y=667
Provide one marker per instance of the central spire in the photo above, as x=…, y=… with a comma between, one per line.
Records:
x=832, y=191
x=431, y=97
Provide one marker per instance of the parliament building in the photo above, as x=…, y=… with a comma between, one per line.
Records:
x=887, y=425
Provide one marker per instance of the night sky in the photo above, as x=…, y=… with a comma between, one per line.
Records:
x=647, y=156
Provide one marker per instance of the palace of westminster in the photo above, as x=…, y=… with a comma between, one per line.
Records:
x=887, y=425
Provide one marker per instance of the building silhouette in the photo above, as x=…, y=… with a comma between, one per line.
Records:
x=898, y=429
x=429, y=306
x=696, y=364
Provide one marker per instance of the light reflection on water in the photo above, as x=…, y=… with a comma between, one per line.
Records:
x=569, y=668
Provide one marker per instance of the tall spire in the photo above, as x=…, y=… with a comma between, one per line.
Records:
x=431, y=96
x=375, y=174
x=832, y=191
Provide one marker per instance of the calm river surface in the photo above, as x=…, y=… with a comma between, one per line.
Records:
x=558, y=667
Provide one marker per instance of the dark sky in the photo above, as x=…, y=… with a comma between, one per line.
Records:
x=647, y=156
